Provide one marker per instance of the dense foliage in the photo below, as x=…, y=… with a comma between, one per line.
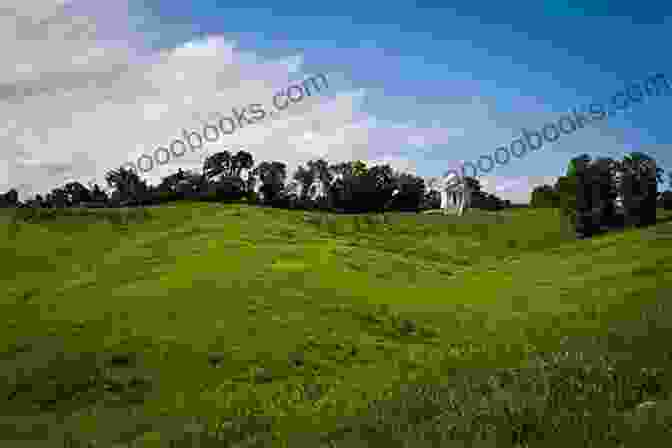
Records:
x=346, y=186
x=604, y=193
x=594, y=195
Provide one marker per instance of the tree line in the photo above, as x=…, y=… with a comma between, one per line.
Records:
x=350, y=187
x=603, y=193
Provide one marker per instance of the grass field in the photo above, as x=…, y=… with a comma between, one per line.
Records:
x=230, y=325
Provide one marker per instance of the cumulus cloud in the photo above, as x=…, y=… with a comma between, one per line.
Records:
x=81, y=93
x=84, y=97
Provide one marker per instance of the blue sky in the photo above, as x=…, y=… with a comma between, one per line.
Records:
x=462, y=79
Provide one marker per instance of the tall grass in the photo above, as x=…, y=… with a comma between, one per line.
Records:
x=79, y=214
x=237, y=326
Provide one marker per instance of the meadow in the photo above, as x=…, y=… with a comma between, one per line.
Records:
x=232, y=325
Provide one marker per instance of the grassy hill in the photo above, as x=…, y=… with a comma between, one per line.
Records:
x=216, y=325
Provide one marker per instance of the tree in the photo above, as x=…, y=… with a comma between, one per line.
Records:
x=646, y=164
x=227, y=188
x=242, y=160
x=10, y=199
x=359, y=194
x=227, y=169
x=577, y=164
x=59, y=198
x=342, y=190
x=473, y=183
x=606, y=175
x=544, y=196
x=589, y=192
x=292, y=188
x=97, y=194
x=170, y=182
x=320, y=171
x=585, y=189
x=272, y=175
x=343, y=169
x=666, y=200
x=432, y=200
x=361, y=189
x=127, y=184
x=407, y=190
x=565, y=192
x=190, y=183
x=358, y=168
x=486, y=201
x=250, y=184
x=385, y=178
x=638, y=186
x=77, y=193
x=217, y=164
x=305, y=178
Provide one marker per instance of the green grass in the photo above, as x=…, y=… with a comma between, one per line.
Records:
x=261, y=327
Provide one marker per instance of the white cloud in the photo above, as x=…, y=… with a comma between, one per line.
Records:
x=84, y=97
x=81, y=94
x=396, y=163
x=515, y=189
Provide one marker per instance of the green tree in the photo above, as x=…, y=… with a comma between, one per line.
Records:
x=59, y=198
x=77, y=193
x=127, y=184
x=359, y=168
x=217, y=164
x=240, y=161
x=97, y=193
x=320, y=171
x=544, y=196
x=666, y=200
x=565, y=190
x=347, y=169
x=169, y=183
x=639, y=176
x=273, y=176
x=305, y=178
x=190, y=183
x=386, y=179
x=410, y=191
x=226, y=169
x=591, y=182
x=473, y=183
x=9, y=199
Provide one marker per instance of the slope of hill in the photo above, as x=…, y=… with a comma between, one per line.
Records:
x=233, y=323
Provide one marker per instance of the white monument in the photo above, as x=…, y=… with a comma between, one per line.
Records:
x=455, y=194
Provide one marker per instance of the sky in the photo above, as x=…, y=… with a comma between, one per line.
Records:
x=89, y=85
